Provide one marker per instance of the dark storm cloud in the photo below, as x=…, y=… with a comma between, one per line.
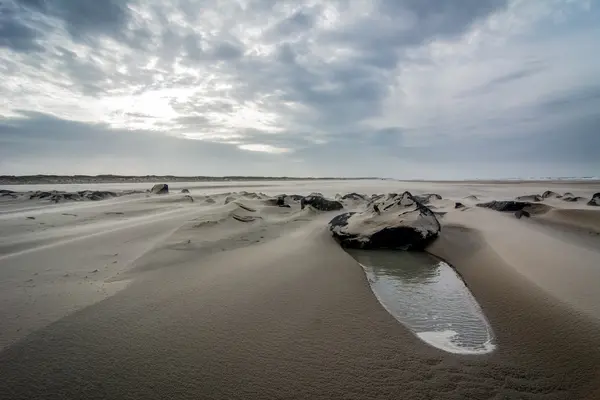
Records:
x=83, y=17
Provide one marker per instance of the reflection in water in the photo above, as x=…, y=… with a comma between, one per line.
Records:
x=427, y=296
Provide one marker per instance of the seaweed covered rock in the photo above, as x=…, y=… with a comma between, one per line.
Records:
x=393, y=222
x=320, y=203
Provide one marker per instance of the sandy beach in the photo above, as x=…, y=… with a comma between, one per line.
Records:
x=219, y=294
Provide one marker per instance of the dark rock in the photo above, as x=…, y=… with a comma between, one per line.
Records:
x=354, y=196
x=427, y=197
x=294, y=197
x=550, y=194
x=160, y=188
x=396, y=222
x=187, y=196
x=595, y=201
x=505, y=206
x=278, y=201
x=8, y=193
x=185, y=191
x=573, y=199
x=568, y=194
x=522, y=213
x=96, y=195
x=459, y=205
x=530, y=197
x=321, y=203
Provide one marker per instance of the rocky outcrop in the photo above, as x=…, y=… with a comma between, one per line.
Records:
x=354, y=197
x=279, y=201
x=58, y=196
x=321, y=203
x=595, y=201
x=8, y=193
x=505, y=206
x=530, y=197
x=550, y=194
x=427, y=197
x=160, y=188
x=394, y=222
x=573, y=199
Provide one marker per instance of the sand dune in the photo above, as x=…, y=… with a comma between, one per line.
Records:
x=149, y=296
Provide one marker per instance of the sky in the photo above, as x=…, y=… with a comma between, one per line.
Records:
x=406, y=89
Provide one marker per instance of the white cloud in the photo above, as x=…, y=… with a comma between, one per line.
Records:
x=264, y=148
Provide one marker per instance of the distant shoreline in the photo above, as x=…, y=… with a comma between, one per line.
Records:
x=91, y=179
x=82, y=179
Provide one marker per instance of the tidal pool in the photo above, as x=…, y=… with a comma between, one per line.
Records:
x=428, y=297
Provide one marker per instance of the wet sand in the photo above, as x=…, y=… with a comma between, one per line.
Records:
x=201, y=305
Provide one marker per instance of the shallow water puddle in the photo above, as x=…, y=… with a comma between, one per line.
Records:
x=428, y=297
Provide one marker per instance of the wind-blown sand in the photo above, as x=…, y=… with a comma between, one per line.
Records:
x=153, y=297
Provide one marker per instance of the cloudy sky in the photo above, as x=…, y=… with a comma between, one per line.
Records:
x=392, y=88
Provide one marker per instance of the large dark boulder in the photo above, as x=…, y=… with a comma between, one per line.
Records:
x=321, y=203
x=394, y=222
x=595, y=201
x=505, y=206
x=161, y=188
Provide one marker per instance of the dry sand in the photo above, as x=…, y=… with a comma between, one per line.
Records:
x=153, y=297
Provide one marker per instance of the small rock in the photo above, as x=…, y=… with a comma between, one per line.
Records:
x=185, y=191
x=160, y=188
x=321, y=203
x=522, y=213
x=30, y=217
x=505, y=206
x=530, y=197
x=459, y=205
x=549, y=193
x=595, y=201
